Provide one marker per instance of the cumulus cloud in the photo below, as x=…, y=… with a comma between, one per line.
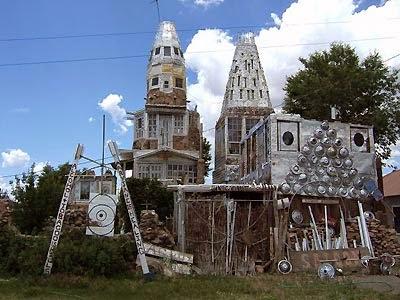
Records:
x=209, y=55
x=15, y=158
x=111, y=105
x=303, y=28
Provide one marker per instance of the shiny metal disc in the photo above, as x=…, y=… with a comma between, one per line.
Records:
x=326, y=271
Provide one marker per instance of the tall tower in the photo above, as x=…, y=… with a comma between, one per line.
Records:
x=167, y=143
x=246, y=101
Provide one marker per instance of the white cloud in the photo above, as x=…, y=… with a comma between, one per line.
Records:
x=303, y=22
x=91, y=119
x=39, y=166
x=209, y=55
x=111, y=105
x=15, y=158
x=204, y=3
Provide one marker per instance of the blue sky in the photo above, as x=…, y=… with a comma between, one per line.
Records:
x=46, y=108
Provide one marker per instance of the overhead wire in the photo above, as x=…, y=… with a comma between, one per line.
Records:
x=265, y=25
x=190, y=52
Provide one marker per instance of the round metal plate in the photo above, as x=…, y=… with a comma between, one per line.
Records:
x=284, y=266
x=297, y=216
x=326, y=271
x=369, y=216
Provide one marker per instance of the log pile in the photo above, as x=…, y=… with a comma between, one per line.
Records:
x=383, y=238
x=153, y=231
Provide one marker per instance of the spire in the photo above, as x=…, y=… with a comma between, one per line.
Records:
x=166, y=68
x=247, y=86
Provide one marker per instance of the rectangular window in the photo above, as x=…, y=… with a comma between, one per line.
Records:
x=241, y=94
x=234, y=148
x=248, y=94
x=234, y=129
x=179, y=124
x=233, y=81
x=245, y=82
x=149, y=171
x=231, y=97
x=139, y=128
x=239, y=80
x=261, y=95
x=184, y=172
x=258, y=77
x=252, y=66
x=166, y=84
x=85, y=190
x=152, y=125
x=157, y=51
x=176, y=51
x=154, y=81
x=250, y=123
x=254, y=82
x=167, y=51
x=179, y=83
x=245, y=64
x=252, y=94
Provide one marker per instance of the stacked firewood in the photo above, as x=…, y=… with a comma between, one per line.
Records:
x=154, y=231
x=383, y=238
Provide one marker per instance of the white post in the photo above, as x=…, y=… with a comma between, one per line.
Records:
x=131, y=209
x=61, y=212
x=327, y=235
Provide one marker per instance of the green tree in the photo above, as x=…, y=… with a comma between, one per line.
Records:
x=38, y=197
x=206, y=155
x=363, y=92
x=148, y=193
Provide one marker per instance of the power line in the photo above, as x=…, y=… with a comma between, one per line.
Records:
x=390, y=58
x=191, y=52
x=37, y=172
x=265, y=25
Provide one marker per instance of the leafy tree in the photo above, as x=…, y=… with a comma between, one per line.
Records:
x=148, y=193
x=38, y=197
x=206, y=155
x=363, y=92
x=3, y=194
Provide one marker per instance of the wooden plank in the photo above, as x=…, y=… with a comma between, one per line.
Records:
x=157, y=251
x=311, y=260
x=321, y=201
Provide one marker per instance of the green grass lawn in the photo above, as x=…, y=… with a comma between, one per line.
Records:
x=195, y=287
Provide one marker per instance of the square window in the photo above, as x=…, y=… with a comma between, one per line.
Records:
x=154, y=81
x=179, y=83
x=167, y=51
x=166, y=84
x=157, y=51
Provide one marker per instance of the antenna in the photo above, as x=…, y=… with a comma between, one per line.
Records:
x=102, y=155
x=158, y=9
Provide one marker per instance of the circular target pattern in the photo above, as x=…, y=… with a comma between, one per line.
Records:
x=102, y=214
x=312, y=141
x=338, y=142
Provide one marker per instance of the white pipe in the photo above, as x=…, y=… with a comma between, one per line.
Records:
x=361, y=232
x=316, y=230
x=343, y=231
x=327, y=236
x=367, y=239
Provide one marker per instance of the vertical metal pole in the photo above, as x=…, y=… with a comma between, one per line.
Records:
x=327, y=237
x=102, y=156
x=61, y=212
x=131, y=210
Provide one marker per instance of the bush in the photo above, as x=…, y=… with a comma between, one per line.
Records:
x=76, y=254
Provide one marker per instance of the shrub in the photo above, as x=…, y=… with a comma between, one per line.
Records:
x=76, y=254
